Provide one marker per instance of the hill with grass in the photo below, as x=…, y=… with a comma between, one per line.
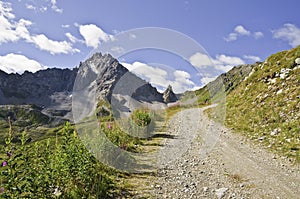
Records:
x=266, y=105
x=263, y=101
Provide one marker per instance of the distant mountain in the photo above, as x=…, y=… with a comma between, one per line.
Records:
x=51, y=90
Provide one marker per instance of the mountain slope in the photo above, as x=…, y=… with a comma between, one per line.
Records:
x=266, y=106
x=50, y=92
x=226, y=82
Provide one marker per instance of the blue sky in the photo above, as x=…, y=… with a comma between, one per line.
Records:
x=37, y=34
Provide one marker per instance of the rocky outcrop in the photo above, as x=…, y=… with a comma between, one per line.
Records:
x=169, y=96
x=35, y=88
x=53, y=89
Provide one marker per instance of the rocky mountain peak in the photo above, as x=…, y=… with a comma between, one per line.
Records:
x=52, y=89
x=169, y=96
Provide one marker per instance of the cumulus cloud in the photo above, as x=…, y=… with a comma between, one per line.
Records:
x=200, y=60
x=12, y=31
x=289, y=33
x=242, y=31
x=224, y=63
x=93, y=35
x=221, y=62
x=160, y=78
x=16, y=63
x=53, y=47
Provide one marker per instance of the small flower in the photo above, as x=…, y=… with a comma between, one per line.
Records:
x=109, y=126
x=4, y=164
x=2, y=190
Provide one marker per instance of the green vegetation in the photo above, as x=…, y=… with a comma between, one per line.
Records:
x=142, y=117
x=120, y=138
x=59, y=167
x=266, y=106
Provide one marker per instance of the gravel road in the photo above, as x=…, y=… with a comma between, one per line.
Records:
x=206, y=160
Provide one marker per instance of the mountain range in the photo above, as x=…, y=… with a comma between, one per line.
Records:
x=262, y=99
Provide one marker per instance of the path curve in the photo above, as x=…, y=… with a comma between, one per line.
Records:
x=233, y=167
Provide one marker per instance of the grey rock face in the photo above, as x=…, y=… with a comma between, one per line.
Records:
x=35, y=88
x=169, y=96
x=52, y=89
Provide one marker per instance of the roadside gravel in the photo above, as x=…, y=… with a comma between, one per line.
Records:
x=207, y=160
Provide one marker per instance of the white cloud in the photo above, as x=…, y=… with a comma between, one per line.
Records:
x=258, y=35
x=221, y=62
x=6, y=10
x=72, y=38
x=55, y=8
x=53, y=47
x=160, y=78
x=12, y=31
x=231, y=37
x=252, y=58
x=93, y=35
x=30, y=7
x=200, y=60
x=16, y=63
x=7, y=25
x=224, y=63
x=7, y=32
x=242, y=31
x=65, y=26
x=289, y=33
x=206, y=80
x=21, y=29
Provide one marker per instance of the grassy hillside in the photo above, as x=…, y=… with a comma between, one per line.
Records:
x=266, y=106
x=225, y=83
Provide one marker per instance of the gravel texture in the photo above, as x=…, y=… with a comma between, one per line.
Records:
x=207, y=160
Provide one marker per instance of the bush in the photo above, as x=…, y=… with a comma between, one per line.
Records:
x=142, y=117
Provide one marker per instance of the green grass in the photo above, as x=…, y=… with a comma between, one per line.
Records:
x=255, y=108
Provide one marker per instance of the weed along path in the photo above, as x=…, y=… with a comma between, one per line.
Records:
x=203, y=159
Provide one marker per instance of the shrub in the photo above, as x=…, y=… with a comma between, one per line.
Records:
x=142, y=117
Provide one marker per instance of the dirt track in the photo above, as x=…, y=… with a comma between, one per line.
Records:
x=209, y=161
